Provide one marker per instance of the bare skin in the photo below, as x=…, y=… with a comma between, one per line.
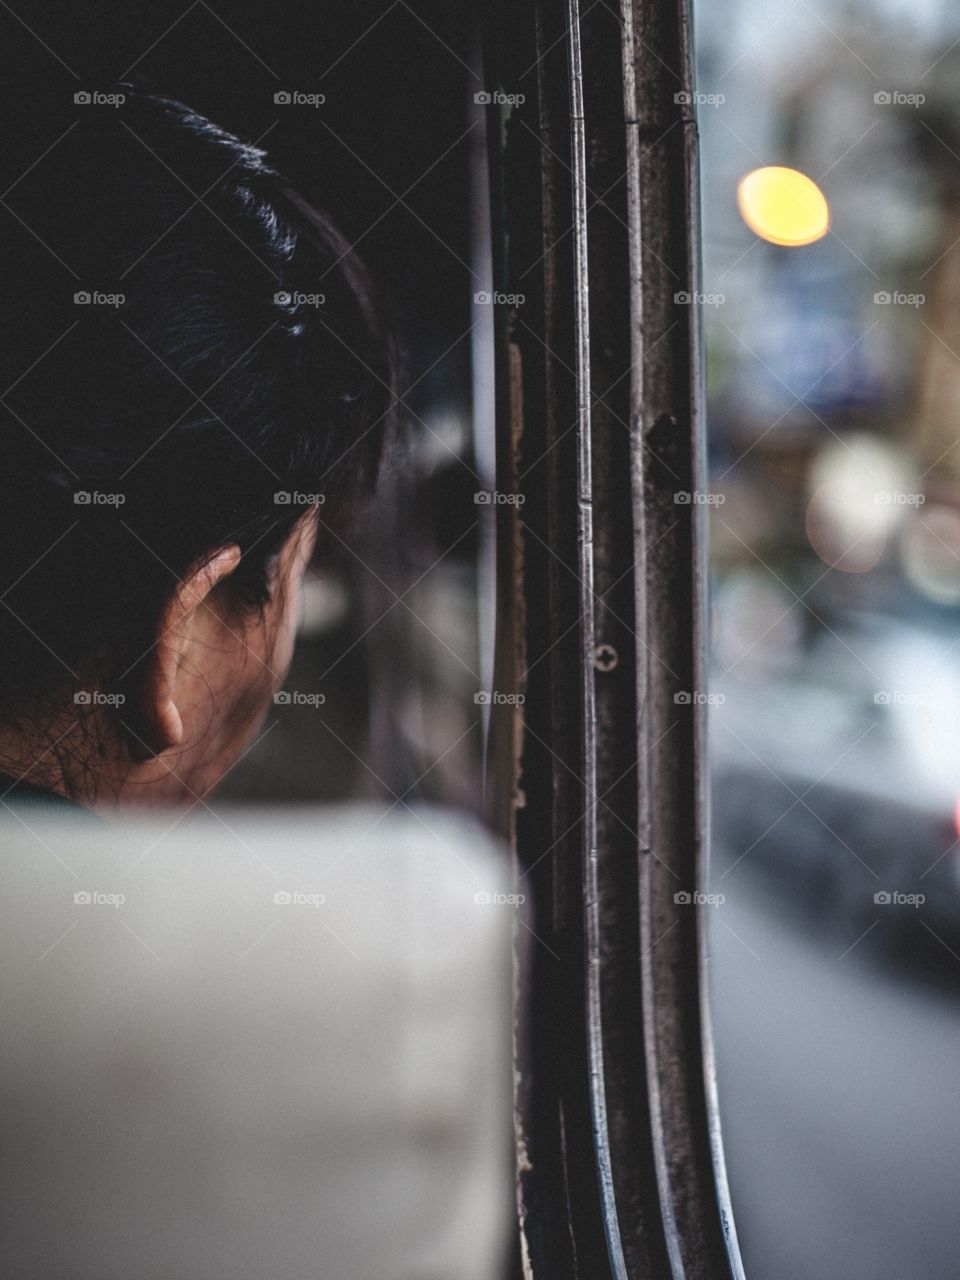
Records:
x=206, y=687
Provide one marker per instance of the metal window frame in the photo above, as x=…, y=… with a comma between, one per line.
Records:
x=598, y=777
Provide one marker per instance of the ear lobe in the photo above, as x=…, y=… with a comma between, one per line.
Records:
x=159, y=712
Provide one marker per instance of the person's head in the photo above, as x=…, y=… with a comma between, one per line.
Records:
x=173, y=447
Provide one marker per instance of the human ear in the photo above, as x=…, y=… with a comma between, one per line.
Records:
x=158, y=691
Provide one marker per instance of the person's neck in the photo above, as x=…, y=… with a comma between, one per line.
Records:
x=82, y=759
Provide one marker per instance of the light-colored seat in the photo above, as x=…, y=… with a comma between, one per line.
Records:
x=266, y=1047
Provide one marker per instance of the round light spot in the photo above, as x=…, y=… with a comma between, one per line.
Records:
x=783, y=206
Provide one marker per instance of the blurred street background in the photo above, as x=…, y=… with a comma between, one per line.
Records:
x=833, y=382
x=838, y=1084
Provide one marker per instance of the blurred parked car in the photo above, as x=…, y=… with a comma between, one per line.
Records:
x=836, y=773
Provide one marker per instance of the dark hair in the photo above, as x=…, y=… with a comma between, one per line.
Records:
x=247, y=360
